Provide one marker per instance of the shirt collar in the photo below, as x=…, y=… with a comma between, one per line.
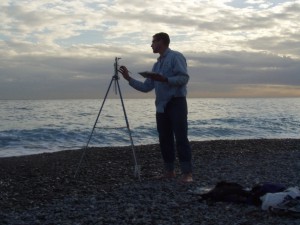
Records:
x=165, y=54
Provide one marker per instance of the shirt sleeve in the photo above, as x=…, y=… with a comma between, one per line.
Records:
x=181, y=76
x=146, y=86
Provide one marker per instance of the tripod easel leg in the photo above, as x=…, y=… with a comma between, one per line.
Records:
x=114, y=79
x=136, y=166
x=91, y=134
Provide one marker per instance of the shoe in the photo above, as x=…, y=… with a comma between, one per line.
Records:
x=186, y=178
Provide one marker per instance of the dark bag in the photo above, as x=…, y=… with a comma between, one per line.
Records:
x=227, y=192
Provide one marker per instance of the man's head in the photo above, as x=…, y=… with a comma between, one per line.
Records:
x=160, y=42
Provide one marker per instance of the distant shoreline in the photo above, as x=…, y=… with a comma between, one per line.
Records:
x=146, y=146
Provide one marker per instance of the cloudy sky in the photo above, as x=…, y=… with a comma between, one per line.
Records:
x=66, y=48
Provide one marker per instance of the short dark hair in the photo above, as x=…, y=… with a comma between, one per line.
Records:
x=163, y=36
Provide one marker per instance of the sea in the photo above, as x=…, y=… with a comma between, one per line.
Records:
x=38, y=126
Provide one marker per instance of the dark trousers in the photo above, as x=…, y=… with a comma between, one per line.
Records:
x=172, y=128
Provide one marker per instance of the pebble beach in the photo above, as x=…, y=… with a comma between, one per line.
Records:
x=41, y=189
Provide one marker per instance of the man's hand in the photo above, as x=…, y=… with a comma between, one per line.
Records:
x=157, y=77
x=124, y=71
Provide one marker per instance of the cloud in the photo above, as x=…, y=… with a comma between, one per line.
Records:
x=66, y=49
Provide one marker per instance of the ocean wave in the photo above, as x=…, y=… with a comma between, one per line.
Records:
x=29, y=127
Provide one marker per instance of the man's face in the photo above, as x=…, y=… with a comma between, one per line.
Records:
x=156, y=45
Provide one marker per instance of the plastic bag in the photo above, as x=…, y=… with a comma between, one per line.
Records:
x=271, y=200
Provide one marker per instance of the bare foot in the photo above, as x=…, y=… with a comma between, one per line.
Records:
x=186, y=178
x=167, y=175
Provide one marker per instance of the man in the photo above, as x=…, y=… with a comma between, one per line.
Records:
x=169, y=78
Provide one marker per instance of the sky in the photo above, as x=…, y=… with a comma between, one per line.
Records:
x=66, y=49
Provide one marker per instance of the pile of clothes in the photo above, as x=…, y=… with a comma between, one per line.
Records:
x=272, y=197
